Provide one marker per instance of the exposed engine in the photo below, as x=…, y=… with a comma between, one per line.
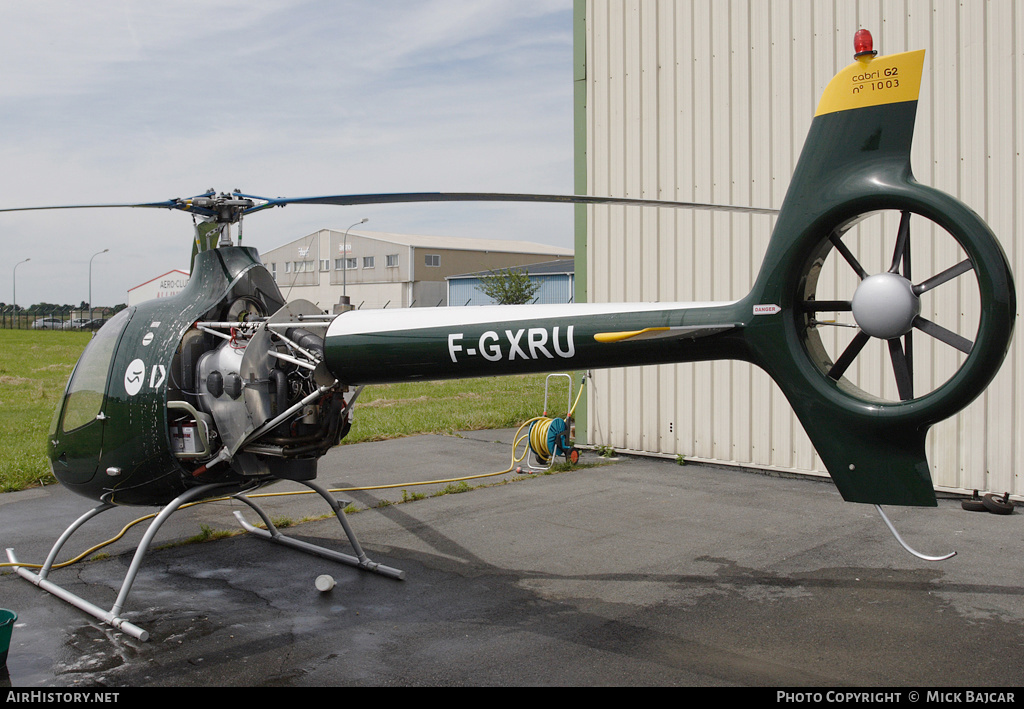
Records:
x=256, y=399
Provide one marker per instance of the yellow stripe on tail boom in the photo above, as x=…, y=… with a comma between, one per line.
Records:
x=626, y=335
x=660, y=333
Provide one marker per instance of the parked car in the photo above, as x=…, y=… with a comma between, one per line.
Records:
x=95, y=324
x=76, y=324
x=48, y=324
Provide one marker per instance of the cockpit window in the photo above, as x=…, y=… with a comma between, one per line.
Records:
x=89, y=381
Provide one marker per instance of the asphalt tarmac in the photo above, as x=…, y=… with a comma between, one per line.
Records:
x=637, y=572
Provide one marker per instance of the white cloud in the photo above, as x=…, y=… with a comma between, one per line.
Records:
x=125, y=101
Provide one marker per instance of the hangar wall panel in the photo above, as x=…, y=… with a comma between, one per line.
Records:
x=710, y=101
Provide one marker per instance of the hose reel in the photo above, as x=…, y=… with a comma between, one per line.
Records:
x=550, y=437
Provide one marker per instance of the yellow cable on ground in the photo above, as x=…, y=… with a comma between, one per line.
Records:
x=543, y=424
x=131, y=524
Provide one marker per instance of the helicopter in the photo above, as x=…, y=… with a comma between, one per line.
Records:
x=226, y=388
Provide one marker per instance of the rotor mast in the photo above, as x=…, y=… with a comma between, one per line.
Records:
x=220, y=211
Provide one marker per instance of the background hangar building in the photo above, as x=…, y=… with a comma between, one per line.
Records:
x=709, y=101
x=554, y=281
x=382, y=270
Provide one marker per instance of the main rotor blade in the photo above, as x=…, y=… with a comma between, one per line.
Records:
x=169, y=204
x=404, y=197
x=230, y=207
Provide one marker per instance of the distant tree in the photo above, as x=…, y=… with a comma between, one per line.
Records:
x=509, y=286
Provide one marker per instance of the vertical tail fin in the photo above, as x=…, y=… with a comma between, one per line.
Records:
x=855, y=168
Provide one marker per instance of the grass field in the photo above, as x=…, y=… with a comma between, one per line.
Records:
x=35, y=366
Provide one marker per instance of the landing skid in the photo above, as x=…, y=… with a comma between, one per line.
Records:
x=113, y=616
x=271, y=533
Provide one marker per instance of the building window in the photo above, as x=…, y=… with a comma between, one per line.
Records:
x=433, y=259
x=273, y=270
x=325, y=264
x=287, y=266
x=344, y=264
x=392, y=261
x=367, y=261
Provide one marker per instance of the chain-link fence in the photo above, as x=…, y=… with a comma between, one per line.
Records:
x=51, y=319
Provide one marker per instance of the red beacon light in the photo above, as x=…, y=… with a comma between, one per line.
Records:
x=863, y=44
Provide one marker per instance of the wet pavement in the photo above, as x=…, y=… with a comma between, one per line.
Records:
x=636, y=572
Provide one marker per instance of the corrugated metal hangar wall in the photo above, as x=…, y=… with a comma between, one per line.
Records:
x=710, y=101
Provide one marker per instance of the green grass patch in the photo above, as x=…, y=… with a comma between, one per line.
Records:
x=394, y=410
x=412, y=496
x=206, y=534
x=453, y=489
x=35, y=366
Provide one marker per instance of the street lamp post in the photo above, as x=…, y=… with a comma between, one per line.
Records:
x=90, y=279
x=14, y=294
x=344, y=271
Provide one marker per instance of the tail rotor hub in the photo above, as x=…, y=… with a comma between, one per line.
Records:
x=885, y=305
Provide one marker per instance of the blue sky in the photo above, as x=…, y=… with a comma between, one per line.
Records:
x=113, y=101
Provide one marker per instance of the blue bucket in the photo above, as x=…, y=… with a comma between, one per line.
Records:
x=7, y=619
